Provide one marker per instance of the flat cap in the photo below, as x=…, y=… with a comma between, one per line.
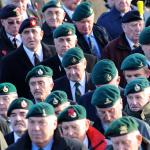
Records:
x=145, y=36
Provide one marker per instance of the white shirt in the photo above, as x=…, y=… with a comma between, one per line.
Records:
x=68, y=11
x=16, y=137
x=86, y=142
x=81, y=87
x=30, y=54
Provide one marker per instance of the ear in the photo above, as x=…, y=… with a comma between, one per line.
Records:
x=118, y=80
x=2, y=22
x=139, y=139
x=41, y=33
x=87, y=123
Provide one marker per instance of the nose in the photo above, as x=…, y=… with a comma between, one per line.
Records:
x=36, y=127
x=134, y=101
x=107, y=116
x=18, y=117
x=70, y=132
x=72, y=71
x=36, y=86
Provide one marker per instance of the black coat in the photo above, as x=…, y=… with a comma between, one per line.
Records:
x=101, y=37
x=67, y=18
x=58, y=71
x=9, y=138
x=64, y=84
x=15, y=67
x=60, y=143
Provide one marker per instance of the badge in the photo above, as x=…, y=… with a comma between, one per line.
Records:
x=123, y=130
x=108, y=77
x=44, y=113
x=72, y=113
x=137, y=88
x=74, y=60
x=69, y=32
x=24, y=104
x=141, y=65
x=33, y=23
x=55, y=101
x=40, y=72
x=107, y=101
x=5, y=89
x=17, y=11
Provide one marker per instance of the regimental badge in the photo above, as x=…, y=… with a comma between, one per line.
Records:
x=5, y=89
x=74, y=60
x=69, y=32
x=24, y=104
x=72, y=113
x=137, y=88
x=40, y=72
x=141, y=65
x=55, y=101
x=17, y=11
x=44, y=112
x=33, y=23
x=91, y=10
x=108, y=77
x=58, y=4
x=108, y=101
x=123, y=130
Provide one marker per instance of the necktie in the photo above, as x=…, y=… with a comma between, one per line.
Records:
x=14, y=42
x=36, y=59
x=92, y=46
x=77, y=91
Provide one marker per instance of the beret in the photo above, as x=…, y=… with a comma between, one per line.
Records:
x=105, y=96
x=145, y=36
x=56, y=98
x=7, y=88
x=103, y=72
x=39, y=71
x=121, y=126
x=72, y=57
x=52, y=3
x=131, y=16
x=134, y=62
x=136, y=85
x=41, y=109
x=19, y=103
x=65, y=29
x=28, y=23
x=72, y=113
x=9, y=11
x=83, y=10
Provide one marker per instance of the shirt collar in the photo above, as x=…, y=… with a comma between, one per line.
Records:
x=16, y=137
x=60, y=58
x=130, y=43
x=12, y=37
x=86, y=142
x=69, y=12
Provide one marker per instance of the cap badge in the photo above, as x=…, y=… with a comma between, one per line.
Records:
x=69, y=32
x=55, y=101
x=5, y=89
x=123, y=130
x=141, y=64
x=72, y=113
x=33, y=23
x=24, y=104
x=74, y=60
x=107, y=101
x=17, y=11
x=108, y=77
x=44, y=113
x=137, y=88
x=40, y=72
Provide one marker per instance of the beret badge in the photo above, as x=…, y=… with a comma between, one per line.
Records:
x=24, y=104
x=33, y=23
x=107, y=101
x=74, y=60
x=5, y=89
x=17, y=11
x=69, y=32
x=44, y=113
x=40, y=72
x=72, y=113
x=108, y=77
x=137, y=88
x=55, y=101
x=123, y=130
x=141, y=64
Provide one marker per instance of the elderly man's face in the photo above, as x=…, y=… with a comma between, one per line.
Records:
x=71, y=4
x=85, y=26
x=40, y=87
x=75, y=72
x=41, y=129
x=54, y=16
x=133, y=29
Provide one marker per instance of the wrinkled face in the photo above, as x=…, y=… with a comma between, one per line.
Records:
x=146, y=49
x=54, y=16
x=129, y=141
x=122, y=5
x=75, y=72
x=75, y=129
x=85, y=26
x=137, y=101
x=40, y=87
x=12, y=25
x=18, y=120
x=71, y=4
x=5, y=101
x=107, y=115
x=133, y=30
x=31, y=37
x=62, y=44
x=61, y=107
x=132, y=74
x=41, y=129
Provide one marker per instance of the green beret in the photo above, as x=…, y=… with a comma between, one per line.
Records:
x=72, y=57
x=134, y=62
x=19, y=103
x=41, y=109
x=136, y=85
x=7, y=88
x=105, y=96
x=145, y=36
x=39, y=71
x=65, y=29
x=122, y=126
x=52, y=4
x=83, y=10
x=71, y=113
x=103, y=72
x=56, y=98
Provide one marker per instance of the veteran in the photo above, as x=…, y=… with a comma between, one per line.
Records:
x=41, y=134
x=75, y=125
x=17, y=114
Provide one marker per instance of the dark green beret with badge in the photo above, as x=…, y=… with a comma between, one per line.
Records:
x=72, y=57
x=83, y=10
x=136, y=85
x=134, y=62
x=71, y=113
x=7, y=88
x=145, y=36
x=121, y=126
x=66, y=29
x=52, y=4
x=39, y=71
x=9, y=11
x=103, y=72
x=19, y=103
x=105, y=96
x=41, y=109
x=56, y=98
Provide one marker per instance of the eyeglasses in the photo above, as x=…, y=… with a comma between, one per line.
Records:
x=13, y=22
